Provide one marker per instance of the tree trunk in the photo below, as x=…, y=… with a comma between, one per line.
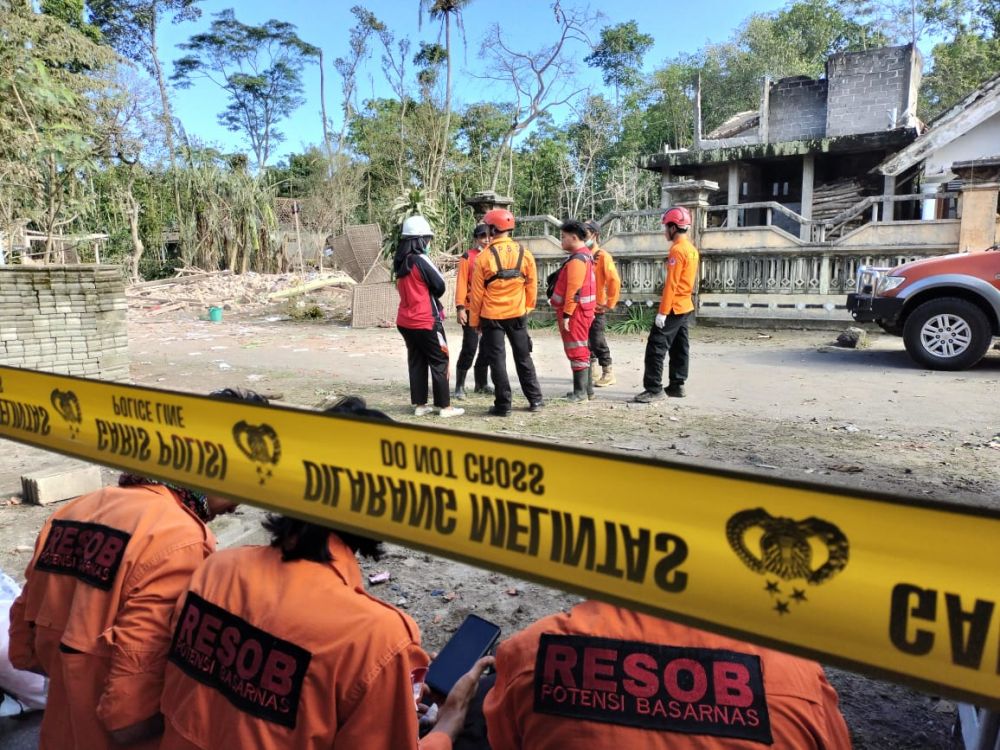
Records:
x=500, y=154
x=167, y=116
x=132, y=209
x=326, y=124
x=446, y=139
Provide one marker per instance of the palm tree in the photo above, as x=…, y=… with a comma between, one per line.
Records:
x=443, y=11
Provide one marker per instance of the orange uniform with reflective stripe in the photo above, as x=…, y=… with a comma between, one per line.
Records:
x=99, y=627
x=609, y=283
x=801, y=704
x=502, y=299
x=681, y=277
x=270, y=654
x=463, y=284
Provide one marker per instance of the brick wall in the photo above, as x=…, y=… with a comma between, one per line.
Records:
x=65, y=319
x=864, y=87
x=797, y=109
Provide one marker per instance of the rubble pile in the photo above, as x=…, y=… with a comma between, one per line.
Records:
x=249, y=293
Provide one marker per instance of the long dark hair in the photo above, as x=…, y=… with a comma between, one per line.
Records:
x=407, y=248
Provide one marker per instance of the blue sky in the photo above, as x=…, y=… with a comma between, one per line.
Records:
x=528, y=24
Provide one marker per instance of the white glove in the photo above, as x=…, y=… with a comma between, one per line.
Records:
x=661, y=320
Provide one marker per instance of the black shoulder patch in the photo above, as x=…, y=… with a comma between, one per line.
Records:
x=650, y=686
x=259, y=674
x=88, y=551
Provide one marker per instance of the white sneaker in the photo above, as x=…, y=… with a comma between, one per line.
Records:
x=451, y=411
x=423, y=411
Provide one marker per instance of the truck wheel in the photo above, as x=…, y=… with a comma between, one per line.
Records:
x=947, y=334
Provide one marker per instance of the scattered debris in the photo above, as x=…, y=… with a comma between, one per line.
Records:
x=54, y=487
x=846, y=468
x=512, y=592
x=853, y=338
x=377, y=578
x=850, y=428
x=450, y=596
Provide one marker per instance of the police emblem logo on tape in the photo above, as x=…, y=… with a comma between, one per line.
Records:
x=652, y=686
x=257, y=672
x=787, y=552
x=67, y=406
x=90, y=552
x=259, y=443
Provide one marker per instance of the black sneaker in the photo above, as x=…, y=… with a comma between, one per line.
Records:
x=495, y=412
x=648, y=397
x=537, y=406
x=675, y=390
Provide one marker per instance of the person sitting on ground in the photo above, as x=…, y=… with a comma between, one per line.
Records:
x=602, y=676
x=281, y=647
x=95, y=610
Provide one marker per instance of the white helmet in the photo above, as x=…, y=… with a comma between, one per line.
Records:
x=417, y=226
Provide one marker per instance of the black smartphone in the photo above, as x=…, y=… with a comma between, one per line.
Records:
x=473, y=640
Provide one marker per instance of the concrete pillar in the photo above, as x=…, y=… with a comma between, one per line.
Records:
x=928, y=207
x=665, y=197
x=978, y=229
x=808, y=180
x=888, y=189
x=733, y=215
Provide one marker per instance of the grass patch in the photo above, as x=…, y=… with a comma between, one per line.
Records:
x=639, y=320
x=539, y=323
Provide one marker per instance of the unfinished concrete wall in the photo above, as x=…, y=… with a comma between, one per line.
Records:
x=864, y=88
x=65, y=319
x=797, y=109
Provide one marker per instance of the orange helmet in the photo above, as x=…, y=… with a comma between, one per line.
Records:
x=500, y=219
x=678, y=215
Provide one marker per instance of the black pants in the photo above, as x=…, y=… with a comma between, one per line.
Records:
x=427, y=350
x=672, y=339
x=599, y=349
x=493, y=349
x=470, y=345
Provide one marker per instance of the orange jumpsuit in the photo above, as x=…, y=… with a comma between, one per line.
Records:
x=95, y=611
x=682, y=277
x=269, y=654
x=612, y=678
x=502, y=299
x=609, y=283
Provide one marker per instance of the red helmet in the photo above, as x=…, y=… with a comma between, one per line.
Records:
x=678, y=215
x=500, y=219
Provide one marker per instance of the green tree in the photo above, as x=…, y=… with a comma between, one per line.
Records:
x=259, y=67
x=619, y=56
x=444, y=11
x=71, y=12
x=48, y=134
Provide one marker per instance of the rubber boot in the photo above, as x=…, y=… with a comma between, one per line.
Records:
x=460, y=384
x=481, y=385
x=607, y=377
x=590, y=384
x=579, y=393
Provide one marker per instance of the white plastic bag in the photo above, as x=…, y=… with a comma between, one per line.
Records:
x=28, y=688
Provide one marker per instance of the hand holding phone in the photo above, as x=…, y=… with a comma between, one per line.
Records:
x=473, y=640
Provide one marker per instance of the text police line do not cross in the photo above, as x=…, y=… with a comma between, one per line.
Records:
x=900, y=588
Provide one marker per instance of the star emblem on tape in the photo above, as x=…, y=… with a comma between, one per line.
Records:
x=67, y=406
x=259, y=443
x=784, y=549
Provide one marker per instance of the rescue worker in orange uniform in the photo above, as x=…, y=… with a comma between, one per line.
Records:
x=470, y=336
x=602, y=676
x=573, y=295
x=94, y=615
x=669, y=334
x=281, y=648
x=504, y=291
x=609, y=286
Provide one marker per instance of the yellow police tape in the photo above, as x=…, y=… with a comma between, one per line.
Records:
x=904, y=589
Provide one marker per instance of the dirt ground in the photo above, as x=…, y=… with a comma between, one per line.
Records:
x=782, y=402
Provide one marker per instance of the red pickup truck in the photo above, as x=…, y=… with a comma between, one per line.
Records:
x=946, y=309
